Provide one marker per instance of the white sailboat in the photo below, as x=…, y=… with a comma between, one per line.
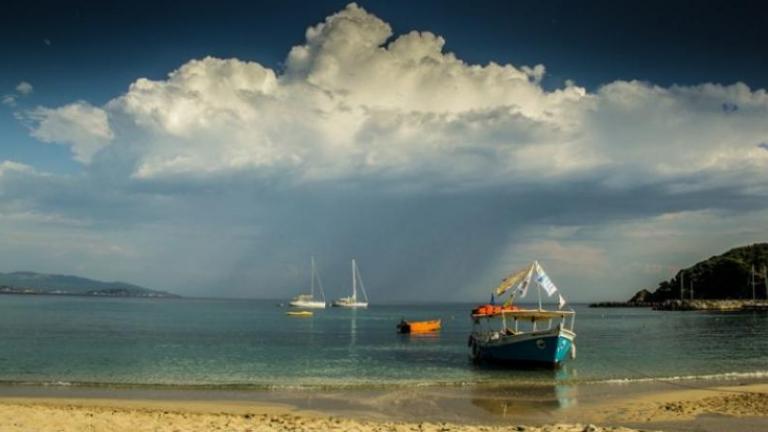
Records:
x=352, y=301
x=308, y=300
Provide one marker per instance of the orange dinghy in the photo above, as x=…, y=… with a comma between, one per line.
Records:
x=418, y=326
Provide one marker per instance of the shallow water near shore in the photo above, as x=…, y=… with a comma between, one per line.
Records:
x=253, y=345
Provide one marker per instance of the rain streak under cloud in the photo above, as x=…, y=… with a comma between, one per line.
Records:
x=440, y=175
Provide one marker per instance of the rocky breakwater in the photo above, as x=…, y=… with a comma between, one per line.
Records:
x=642, y=298
x=711, y=305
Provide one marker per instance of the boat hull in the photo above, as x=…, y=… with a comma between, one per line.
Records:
x=356, y=305
x=543, y=348
x=419, y=326
x=301, y=314
x=307, y=304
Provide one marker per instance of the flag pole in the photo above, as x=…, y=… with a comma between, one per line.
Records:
x=538, y=286
x=765, y=278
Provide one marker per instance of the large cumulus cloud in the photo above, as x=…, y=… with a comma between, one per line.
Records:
x=355, y=100
x=368, y=139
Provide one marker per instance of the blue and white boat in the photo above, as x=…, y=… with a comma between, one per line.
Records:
x=509, y=335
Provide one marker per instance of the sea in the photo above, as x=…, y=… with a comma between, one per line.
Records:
x=253, y=344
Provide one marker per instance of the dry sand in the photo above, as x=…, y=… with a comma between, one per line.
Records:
x=688, y=404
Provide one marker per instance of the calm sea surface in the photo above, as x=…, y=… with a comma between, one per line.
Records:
x=248, y=343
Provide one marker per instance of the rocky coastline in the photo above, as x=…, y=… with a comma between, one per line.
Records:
x=620, y=304
x=734, y=281
x=727, y=305
x=712, y=305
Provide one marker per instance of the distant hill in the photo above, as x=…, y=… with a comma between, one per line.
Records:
x=23, y=282
x=726, y=276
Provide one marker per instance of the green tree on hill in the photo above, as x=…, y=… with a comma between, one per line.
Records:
x=726, y=276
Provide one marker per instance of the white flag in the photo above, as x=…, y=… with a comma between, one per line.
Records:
x=522, y=288
x=543, y=280
x=561, y=301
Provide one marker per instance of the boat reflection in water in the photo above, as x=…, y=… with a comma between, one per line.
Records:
x=420, y=337
x=545, y=397
x=352, y=327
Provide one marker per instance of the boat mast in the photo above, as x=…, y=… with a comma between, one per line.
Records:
x=691, y=283
x=765, y=278
x=317, y=278
x=312, y=278
x=362, y=285
x=682, y=276
x=354, y=281
x=753, y=282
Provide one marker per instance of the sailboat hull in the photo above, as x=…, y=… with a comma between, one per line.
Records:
x=543, y=348
x=350, y=305
x=309, y=301
x=308, y=304
x=351, y=301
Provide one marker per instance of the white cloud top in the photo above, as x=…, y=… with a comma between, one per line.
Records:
x=352, y=104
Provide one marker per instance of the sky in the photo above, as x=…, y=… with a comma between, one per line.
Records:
x=211, y=149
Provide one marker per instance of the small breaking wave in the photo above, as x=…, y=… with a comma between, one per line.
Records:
x=724, y=376
x=330, y=385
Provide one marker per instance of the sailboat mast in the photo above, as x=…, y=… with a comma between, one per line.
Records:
x=354, y=281
x=312, y=277
x=753, y=282
x=765, y=279
x=360, y=284
x=682, y=275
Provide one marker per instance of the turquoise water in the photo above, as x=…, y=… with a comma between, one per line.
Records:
x=249, y=343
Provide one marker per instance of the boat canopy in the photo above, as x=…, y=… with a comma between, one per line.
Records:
x=519, y=281
x=534, y=314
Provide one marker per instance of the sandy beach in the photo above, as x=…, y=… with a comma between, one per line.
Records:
x=736, y=407
x=689, y=404
x=47, y=415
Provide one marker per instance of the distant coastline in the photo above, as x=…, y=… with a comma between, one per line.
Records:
x=42, y=284
x=6, y=290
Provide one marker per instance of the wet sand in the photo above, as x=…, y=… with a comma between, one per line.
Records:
x=694, y=406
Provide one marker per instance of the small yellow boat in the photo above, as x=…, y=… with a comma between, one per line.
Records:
x=300, y=313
